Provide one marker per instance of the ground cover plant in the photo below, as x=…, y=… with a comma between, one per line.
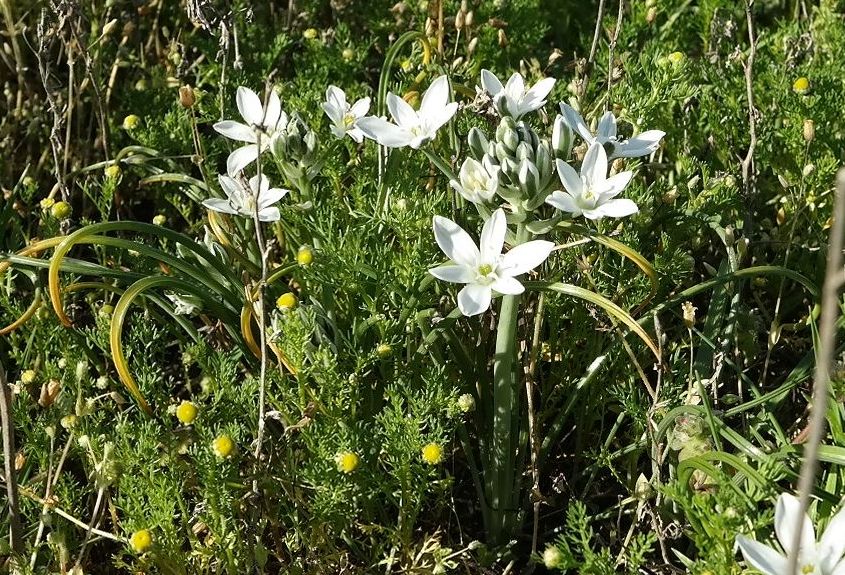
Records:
x=506, y=286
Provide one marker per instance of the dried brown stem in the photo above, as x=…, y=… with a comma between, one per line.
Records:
x=8, y=431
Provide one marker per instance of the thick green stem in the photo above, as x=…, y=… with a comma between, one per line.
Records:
x=504, y=490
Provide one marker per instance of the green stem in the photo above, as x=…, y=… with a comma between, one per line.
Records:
x=504, y=496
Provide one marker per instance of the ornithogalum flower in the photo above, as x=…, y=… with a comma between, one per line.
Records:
x=592, y=194
x=345, y=117
x=244, y=201
x=822, y=558
x=513, y=99
x=485, y=269
x=412, y=128
x=640, y=145
x=479, y=181
x=262, y=123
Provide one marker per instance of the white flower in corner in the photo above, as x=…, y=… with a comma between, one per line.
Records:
x=262, y=123
x=640, y=145
x=184, y=305
x=412, y=128
x=485, y=269
x=513, y=99
x=822, y=558
x=244, y=201
x=343, y=116
x=592, y=194
x=479, y=181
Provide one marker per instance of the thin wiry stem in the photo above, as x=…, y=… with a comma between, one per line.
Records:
x=8, y=430
x=824, y=359
x=748, y=175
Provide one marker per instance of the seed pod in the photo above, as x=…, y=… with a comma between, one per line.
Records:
x=809, y=130
x=473, y=44
x=503, y=38
x=186, y=96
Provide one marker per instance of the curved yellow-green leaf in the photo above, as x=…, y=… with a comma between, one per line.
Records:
x=608, y=306
x=26, y=316
x=33, y=249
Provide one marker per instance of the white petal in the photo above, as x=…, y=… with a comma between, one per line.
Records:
x=333, y=112
x=259, y=185
x=436, y=120
x=507, y=285
x=360, y=108
x=788, y=519
x=249, y=105
x=832, y=545
x=564, y=202
x=235, y=131
x=839, y=569
x=569, y=178
x=607, y=127
x=525, y=257
x=490, y=82
x=270, y=197
x=456, y=274
x=762, y=557
x=575, y=122
x=228, y=185
x=618, y=208
x=435, y=99
x=515, y=88
x=219, y=205
x=269, y=215
x=615, y=184
x=536, y=96
x=474, y=299
x=273, y=111
x=356, y=135
x=384, y=132
x=455, y=242
x=241, y=158
x=336, y=96
x=493, y=236
x=640, y=145
x=594, y=167
x=402, y=112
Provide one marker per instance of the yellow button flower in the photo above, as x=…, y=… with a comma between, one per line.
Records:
x=801, y=85
x=432, y=453
x=131, y=122
x=347, y=462
x=186, y=412
x=286, y=301
x=223, y=446
x=61, y=210
x=141, y=540
x=304, y=256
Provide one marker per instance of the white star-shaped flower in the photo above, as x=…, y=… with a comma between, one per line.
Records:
x=244, y=201
x=485, y=269
x=592, y=194
x=479, y=181
x=822, y=558
x=640, y=145
x=513, y=99
x=262, y=123
x=343, y=116
x=412, y=128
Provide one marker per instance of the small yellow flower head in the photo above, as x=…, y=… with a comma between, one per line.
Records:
x=675, y=58
x=68, y=421
x=466, y=403
x=286, y=301
x=801, y=85
x=160, y=220
x=348, y=54
x=384, y=350
x=347, y=462
x=689, y=313
x=186, y=412
x=223, y=446
x=141, y=541
x=47, y=203
x=552, y=558
x=28, y=376
x=304, y=256
x=407, y=65
x=432, y=453
x=131, y=122
x=61, y=210
x=106, y=310
x=112, y=172
x=29, y=182
x=310, y=34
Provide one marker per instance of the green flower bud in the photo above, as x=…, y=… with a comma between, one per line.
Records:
x=507, y=134
x=562, y=139
x=477, y=143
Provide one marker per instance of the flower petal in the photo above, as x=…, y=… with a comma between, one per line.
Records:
x=249, y=105
x=455, y=242
x=615, y=184
x=355, y=134
x=241, y=158
x=618, y=208
x=490, y=82
x=507, y=285
x=456, y=274
x=336, y=97
x=575, y=122
x=788, y=519
x=594, y=167
x=640, y=145
x=607, y=127
x=832, y=545
x=536, y=96
x=219, y=205
x=273, y=111
x=235, y=131
x=270, y=197
x=569, y=178
x=269, y=215
x=436, y=120
x=434, y=99
x=474, y=299
x=762, y=557
x=563, y=201
x=515, y=88
x=360, y=108
x=402, y=112
x=384, y=132
x=525, y=257
x=493, y=236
